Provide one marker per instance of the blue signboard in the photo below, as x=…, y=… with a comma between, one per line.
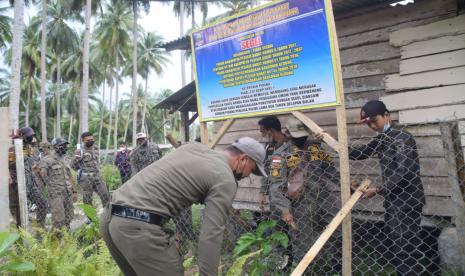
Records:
x=276, y=58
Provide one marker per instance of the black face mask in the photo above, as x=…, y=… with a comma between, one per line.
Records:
x=238, y=176
x=61, y=150
x=89, y=144
x=28, y=139
x=300, y=142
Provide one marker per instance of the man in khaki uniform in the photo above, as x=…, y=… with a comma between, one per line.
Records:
x=55, y=170
x=87, y=162
x=144, y=154
x=133, y=224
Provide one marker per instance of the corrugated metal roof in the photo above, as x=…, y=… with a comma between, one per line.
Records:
x=182, y=100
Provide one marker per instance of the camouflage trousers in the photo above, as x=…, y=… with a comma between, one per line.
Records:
x=90, y=183
x=62, y=210
x=312, y=213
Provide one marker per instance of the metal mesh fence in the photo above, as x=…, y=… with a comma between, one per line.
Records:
x=399, y=227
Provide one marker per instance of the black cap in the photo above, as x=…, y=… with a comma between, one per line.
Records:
x=372, y=109
x=27, y=131
x=57, y=141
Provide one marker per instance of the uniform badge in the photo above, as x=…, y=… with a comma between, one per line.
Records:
x=276, y=166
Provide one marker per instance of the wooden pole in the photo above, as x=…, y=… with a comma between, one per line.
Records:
x=457, y=197
x=343, y=147
x=204, y=133
x=21, y=179
x=332, y=226
x=224, y=128
x=4, y=173
x=328, y=139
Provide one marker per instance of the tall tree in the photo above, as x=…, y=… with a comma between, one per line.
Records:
x=43, y=71
x=62, y=39
x=16, y=63
x=151, y=58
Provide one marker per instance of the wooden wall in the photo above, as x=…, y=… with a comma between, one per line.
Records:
x=368, y=58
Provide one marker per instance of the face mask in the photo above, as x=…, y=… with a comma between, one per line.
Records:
x=386, y=127
x=89, y=144
x=121, y=148
x=61, y=151
x=28, y=139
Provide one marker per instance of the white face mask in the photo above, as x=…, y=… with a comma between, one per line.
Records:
x=121, y=148
x=386, y=127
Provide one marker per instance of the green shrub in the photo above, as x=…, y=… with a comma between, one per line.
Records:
x=111, y=176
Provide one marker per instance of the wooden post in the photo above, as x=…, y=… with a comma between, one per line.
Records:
x=332, y=226
x=226, y=125
x=4, y=173
x=184, y=131
x=204, y=133
x=21, y=179
x=457, y=197
x=343, y=147
x=328, y=139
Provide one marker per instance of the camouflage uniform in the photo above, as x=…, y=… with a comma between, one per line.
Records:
x=144, y=155
x=314, y=203
x=60, y=189
x=34, y=185
x=90, y=178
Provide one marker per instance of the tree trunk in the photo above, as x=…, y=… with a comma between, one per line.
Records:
x=43, y=72
x=134, y=76
x=109, y=124
x=84, y=95
x=126, y=127
x=70, y=132
x=115, y=137
x=17, y=50
x=193, y=26
x=145, y=103
x=58, y=96
x=101, y=119
x=26, y=120
x=181, y=32
x=164, y=126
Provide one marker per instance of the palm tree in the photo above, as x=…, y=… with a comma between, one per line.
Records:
x=112, y=32
x=62, y=38
x=5, y=28
x=151, y=57
x=16, y=63
x=43, y=71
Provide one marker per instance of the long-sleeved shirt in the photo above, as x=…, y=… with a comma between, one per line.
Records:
x=89, y=161
x=400, y=167
x=144, y=155
x=191, y=174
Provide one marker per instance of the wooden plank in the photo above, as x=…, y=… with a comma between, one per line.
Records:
x=368, y=53
x=451, y=26
x=426, y=97
x=371, y=68
x=5, y=144
x=21, y=181
x=457, y=196
x=204, y=133
x=330, y=229
x=461, y=127
x=370, y=83
x=437, y=45
x=328, y=139
x=357, y=100
x=434, y=114
x=424, y=130
x=226, y=125
x=432, y=62
x=382, y=34
x=437, y=78
x=394, y=16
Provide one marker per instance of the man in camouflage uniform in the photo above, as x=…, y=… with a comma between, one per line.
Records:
x=144, y=154
x=34, y=185
x=55, y=170
x=312, y=181
x=87, y=162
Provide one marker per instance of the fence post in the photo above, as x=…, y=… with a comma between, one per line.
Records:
x=4, y=173
x=457, y=197
x=21, y=179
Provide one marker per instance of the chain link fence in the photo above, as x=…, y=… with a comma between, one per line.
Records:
x=408, y=222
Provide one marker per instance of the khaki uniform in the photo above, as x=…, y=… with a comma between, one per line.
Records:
x=192, y=174
x=34, y=185
x=143, y=156
x=90, y=179
x=60, y=189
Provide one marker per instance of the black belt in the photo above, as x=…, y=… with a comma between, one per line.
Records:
x=136, y=214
